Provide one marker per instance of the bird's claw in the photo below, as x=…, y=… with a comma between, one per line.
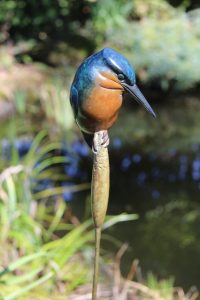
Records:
x=100, y=139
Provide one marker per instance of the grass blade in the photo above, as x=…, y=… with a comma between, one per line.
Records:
x=110, y=220
x=27, y=288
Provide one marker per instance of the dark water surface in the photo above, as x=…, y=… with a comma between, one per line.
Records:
x=164, y=191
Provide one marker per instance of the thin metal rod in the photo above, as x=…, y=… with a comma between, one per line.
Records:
x=99, y=198
x=96, y=262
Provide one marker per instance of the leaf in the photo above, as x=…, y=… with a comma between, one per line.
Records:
x=60, y=190
x=22, y=261
x=36, y=142
x=20, y=279
x=27, y=288
x=110, y=220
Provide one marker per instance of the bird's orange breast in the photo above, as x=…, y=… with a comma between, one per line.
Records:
x=100, y=109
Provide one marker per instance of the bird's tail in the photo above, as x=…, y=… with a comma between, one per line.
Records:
x=88, y=139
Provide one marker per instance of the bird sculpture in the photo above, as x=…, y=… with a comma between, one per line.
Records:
x=97, y=93
x=96, y=96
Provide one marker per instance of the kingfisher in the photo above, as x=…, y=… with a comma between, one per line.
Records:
x=97, y=93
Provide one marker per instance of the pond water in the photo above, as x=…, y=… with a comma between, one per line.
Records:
x=165, y=192
x=155, y=172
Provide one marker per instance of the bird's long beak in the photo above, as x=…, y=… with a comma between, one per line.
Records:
x=134, y=90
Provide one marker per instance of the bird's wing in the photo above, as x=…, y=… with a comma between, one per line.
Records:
x=74, y=100
x=74, y=103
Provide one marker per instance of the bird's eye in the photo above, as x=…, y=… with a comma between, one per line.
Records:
x=121, y=77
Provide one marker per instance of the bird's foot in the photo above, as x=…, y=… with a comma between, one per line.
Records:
x=100, y=139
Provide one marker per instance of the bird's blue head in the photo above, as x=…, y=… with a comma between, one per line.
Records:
x=124, y=75
x=113, y=71
x=119, y=65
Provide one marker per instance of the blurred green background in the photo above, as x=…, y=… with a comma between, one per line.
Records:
x=46, y=237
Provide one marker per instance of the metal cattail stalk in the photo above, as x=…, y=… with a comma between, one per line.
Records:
x=99, y=198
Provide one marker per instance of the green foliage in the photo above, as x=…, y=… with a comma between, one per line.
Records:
x=162, y=42
x=165, y=287
x=108, y=15
x=159, y=53
x=34, y=90
x=145, y=32
x=56, y=105
x=29, y=242
x=39, y=16
x=38, y=242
